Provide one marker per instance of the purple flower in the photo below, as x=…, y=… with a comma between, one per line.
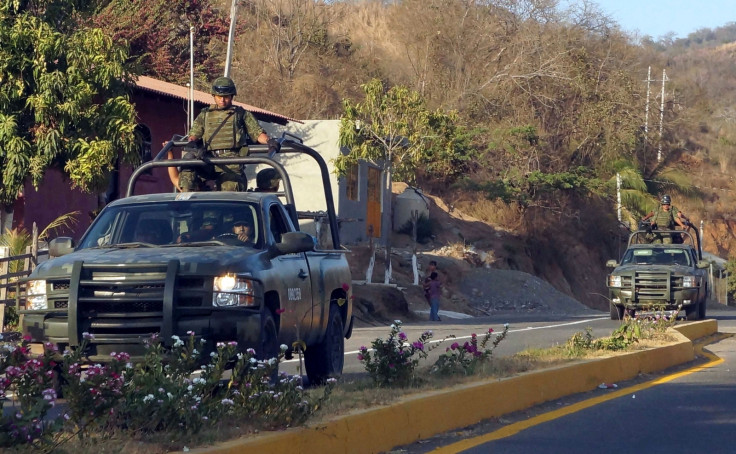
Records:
x=360, y=357
x=402, y=336
x=454, y=346
x=418, y=345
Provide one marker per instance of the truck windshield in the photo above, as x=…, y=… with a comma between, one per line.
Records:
x=176, y=223
x=656, y=257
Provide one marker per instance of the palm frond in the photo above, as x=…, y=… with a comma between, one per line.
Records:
x=64, y=221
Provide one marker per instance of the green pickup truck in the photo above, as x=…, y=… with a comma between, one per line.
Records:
x=655, y=276
x=172, y=264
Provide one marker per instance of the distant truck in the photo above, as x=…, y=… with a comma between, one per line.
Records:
x=171, y=264
x=654, y=276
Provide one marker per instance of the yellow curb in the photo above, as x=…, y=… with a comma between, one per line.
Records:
x=418, y=417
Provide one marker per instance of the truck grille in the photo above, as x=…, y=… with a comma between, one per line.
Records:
x=122, y=303
x=652, y=285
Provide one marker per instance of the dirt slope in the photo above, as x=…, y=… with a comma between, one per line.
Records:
x=484, y=270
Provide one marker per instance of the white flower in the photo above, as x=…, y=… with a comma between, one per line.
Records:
x=170, y=396
x=148, y=398
x=227, y=402
x=284, y=347
x=213, y=354
x=253, y=360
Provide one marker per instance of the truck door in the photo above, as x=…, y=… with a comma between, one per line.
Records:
x=292, y=273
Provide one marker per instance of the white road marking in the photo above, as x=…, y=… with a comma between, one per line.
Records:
x=520, y=330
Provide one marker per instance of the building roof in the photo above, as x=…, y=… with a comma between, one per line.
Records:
x=177, y=91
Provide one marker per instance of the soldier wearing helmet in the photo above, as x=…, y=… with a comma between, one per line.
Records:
x=665, y=217
x=267, y=180
x=224, y=130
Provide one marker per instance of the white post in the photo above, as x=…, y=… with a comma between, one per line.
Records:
x=618, y=194
x=661, y=117
x=191, y=77
x=230, y=37
x=702, y=228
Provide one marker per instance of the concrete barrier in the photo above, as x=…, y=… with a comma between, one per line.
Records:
x=421, y=416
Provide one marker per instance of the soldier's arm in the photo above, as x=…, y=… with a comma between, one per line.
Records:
x=197, y=129
x=651, y=213
x=254, y=129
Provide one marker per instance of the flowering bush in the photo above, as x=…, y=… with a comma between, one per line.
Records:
x=394, y=360
x=166, y=392
x=465, y=359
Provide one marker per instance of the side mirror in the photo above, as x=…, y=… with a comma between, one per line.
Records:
x=292, y=243
x=61, y=246
x=611, y=264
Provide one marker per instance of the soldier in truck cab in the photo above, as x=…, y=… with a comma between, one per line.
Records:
x=665, y=217
x=224, y=131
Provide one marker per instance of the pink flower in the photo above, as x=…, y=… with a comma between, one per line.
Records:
x=360, y=357
x=280, y=311
x=345, y=287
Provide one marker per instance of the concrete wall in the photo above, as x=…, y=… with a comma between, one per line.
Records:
x=322, y=136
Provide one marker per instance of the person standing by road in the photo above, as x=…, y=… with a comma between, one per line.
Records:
x=224, y=130
x=434, y=289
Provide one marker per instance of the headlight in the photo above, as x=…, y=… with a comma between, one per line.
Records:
x=689, y=281
x=614, y=281
x=230, y=290
x=36, y=295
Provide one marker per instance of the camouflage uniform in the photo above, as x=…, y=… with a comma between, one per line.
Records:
x=267, y=180
x=664, y=220
x=230, y=141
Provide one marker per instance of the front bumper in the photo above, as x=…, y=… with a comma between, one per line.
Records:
x=124, y=307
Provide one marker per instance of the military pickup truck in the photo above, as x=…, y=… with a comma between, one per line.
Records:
x=655, y=276
x=171, y=264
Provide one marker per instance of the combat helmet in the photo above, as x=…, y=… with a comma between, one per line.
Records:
x=224, y=86
x=666, y=200
x=268, y=180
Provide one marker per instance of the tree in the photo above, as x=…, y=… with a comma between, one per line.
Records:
x=395, y=130
x=157, y=32
x=63, y=97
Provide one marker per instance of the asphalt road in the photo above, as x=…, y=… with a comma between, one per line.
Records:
x=525, y=331
x=689, y=409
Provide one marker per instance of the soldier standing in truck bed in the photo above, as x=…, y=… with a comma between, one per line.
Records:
x=225, y=130
x=665, y=218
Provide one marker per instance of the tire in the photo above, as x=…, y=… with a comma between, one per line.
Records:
x=692, y=312
x=617, y=312
x=702, y=309
x=325, y=359
x=269, y=343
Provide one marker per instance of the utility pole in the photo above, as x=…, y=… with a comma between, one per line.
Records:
x=618, y=194
x=191, y=76
x=230, y=37
x=661, y=117
x=646, y=115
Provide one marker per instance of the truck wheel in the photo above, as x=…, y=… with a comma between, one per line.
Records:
x=701, y=309
x=326, y=359
x=269, y=345
x=692, y=312
x=617, y=312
